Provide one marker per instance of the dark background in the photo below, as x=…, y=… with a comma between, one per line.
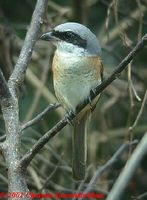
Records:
x=119, y=25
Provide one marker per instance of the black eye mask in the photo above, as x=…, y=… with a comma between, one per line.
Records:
x=69, y=36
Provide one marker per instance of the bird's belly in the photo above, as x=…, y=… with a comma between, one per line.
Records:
x=73, y=80
x=71, y=92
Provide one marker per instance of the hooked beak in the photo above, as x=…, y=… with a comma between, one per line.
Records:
x=47, y=36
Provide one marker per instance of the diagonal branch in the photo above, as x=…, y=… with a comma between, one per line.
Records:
x=62, y=123
x=129, y=170
x=17, y=77
x=140, y=45
x=108, y=164
x=140, y=112
x=35, y=119
x=39, y=116
x=26, y=159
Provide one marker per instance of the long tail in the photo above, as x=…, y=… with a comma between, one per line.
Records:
x=79, y=149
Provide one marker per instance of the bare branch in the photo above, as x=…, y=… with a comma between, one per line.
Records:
x=62, y=123
x=18, y=74
x=45, y=184
x=4, y=90
x=129, y=169
x=37, y=95
x=40, y=116
x=24, y=162
x=10, y=108
x=109, y=163
x=141, y=196
x=35, y=120
x=140, y=112
x=46, y=93
x=80, y=10
x=121, y=66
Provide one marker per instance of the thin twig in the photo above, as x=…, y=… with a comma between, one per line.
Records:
x=140, y=196
x=46, y=93
x=124, y=25
x=45, y=184
x=39, y=116
x=140, y=112
x=131, y=85
x=130, y=88
x=38, y=94
x=108, y=164
x=17, y=77
x=110, y=6
x=80, y=10
x=140, y=19
x=122, y=65
x=26, y=159
x=35, y=120
x=129, y=169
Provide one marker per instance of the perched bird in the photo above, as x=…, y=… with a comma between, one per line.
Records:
x=77, y=70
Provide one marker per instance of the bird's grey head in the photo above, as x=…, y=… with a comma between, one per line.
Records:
x=73, y=37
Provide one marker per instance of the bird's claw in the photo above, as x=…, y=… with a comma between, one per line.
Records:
x=92, y=92
x=69, y=116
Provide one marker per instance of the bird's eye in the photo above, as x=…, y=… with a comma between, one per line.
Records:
x=70, y=37
x=68, y=34
x=55, y=33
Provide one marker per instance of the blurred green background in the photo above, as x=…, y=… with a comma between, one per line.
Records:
x=119, y=25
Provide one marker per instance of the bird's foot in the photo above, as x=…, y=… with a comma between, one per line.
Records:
x=92, y=93
x=69, y=116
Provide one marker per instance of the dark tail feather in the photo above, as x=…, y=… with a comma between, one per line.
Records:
x=79, y=149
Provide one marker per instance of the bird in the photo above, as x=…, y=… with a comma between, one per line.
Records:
x=77, y=70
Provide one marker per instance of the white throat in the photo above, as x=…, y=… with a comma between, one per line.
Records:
x=69, y=48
